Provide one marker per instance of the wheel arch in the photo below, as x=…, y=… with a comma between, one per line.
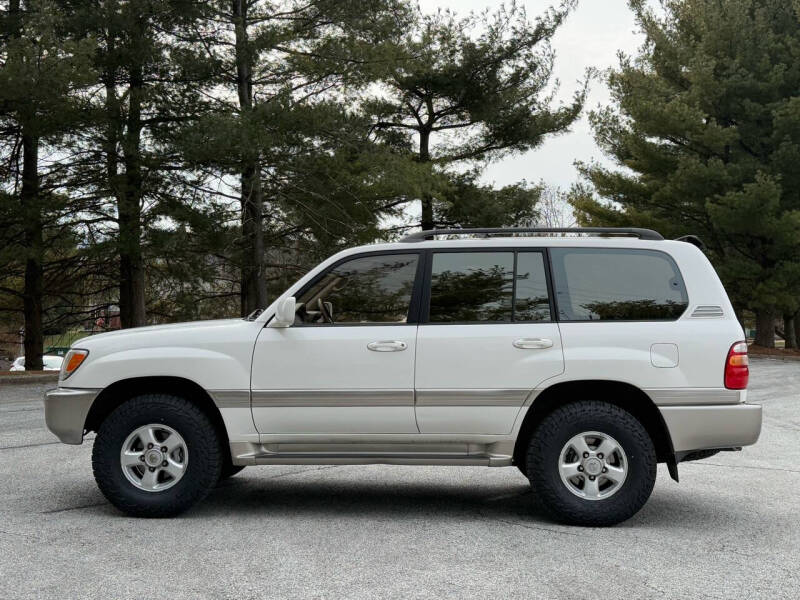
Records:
x=621, y=394
x=123, y=390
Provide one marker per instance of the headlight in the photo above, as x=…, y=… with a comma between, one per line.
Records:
x=72, y=361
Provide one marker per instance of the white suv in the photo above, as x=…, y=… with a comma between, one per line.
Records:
x=582, y=360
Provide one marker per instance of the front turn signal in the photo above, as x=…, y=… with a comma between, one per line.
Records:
x=72, y=361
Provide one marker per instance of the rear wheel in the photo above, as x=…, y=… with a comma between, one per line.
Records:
x=591, y=463
x=156, y=455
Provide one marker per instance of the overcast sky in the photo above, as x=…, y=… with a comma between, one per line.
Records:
x=592, y=35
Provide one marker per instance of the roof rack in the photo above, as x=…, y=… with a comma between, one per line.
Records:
x=642, y=234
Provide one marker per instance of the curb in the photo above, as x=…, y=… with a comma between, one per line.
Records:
x=19, y=379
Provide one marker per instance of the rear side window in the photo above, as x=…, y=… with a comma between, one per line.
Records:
x=471, y=287
x=488, y=287
x=602, y=284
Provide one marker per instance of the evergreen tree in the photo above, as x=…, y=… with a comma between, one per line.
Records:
x=706, y=123
x=467, y=98
x=124, y=164
x=277, y=71
x=42, y=71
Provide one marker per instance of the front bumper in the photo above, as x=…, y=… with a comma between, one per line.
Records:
x=712, y=426
x=65, y=411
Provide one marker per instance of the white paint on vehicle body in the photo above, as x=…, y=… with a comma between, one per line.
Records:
x=429, y=380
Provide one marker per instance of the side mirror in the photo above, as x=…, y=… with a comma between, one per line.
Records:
x=284, y=315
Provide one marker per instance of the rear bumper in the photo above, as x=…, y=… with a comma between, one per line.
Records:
x=65, y=411
x=712, y=426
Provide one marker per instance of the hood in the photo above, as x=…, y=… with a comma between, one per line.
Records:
x=156, y=335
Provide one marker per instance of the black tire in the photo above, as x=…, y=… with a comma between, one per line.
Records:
x=229, y=470
x=544, y=451
x=204, y=465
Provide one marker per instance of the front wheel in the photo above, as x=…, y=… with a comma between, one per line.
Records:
x=156, y=455
x=591, y=463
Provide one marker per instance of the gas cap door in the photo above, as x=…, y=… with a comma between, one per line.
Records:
x=664, y=356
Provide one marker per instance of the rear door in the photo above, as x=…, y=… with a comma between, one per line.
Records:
x=487, y=338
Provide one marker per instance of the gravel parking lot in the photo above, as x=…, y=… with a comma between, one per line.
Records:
x=730, y=529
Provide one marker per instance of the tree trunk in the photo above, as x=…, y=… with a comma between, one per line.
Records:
x=31, y=209
x=796, y=323
x=254, y=284
x=34, y=245
x=739, y=313
x=129, y=206
x=765, y=328
x=426, y=221
x=789, y=335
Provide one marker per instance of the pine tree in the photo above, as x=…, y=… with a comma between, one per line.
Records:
x=706, y=123
x=42, y=69
x=124, y=163
x=467, y=98
x=278, y=72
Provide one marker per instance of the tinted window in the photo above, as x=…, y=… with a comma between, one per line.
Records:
x=531, y=302
x=371, y=289
x=471, y=286
x=611, y=284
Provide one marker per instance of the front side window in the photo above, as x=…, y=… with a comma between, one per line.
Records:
x=370, y=289
x=608, y=284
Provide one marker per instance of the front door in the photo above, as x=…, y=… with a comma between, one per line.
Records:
x=487, y=338
x=347, y=365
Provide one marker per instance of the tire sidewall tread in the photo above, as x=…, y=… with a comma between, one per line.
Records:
x=205, y=457
x=544, y=451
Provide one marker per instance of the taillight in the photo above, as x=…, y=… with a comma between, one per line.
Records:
x=736, y=370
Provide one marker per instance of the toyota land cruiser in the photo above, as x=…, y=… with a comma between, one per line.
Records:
x=581, y=357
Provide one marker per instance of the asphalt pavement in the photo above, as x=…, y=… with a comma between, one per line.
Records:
x=730, y=529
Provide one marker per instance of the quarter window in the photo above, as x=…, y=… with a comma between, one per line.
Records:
x=370, y=289
x=531, y=302
x=617, y=285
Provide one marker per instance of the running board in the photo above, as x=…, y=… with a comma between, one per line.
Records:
x=246, y=453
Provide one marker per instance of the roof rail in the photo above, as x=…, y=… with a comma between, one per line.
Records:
x=642, y=234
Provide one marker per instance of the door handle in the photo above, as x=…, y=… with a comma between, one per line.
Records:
x=531, y=343
x=387, y=346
